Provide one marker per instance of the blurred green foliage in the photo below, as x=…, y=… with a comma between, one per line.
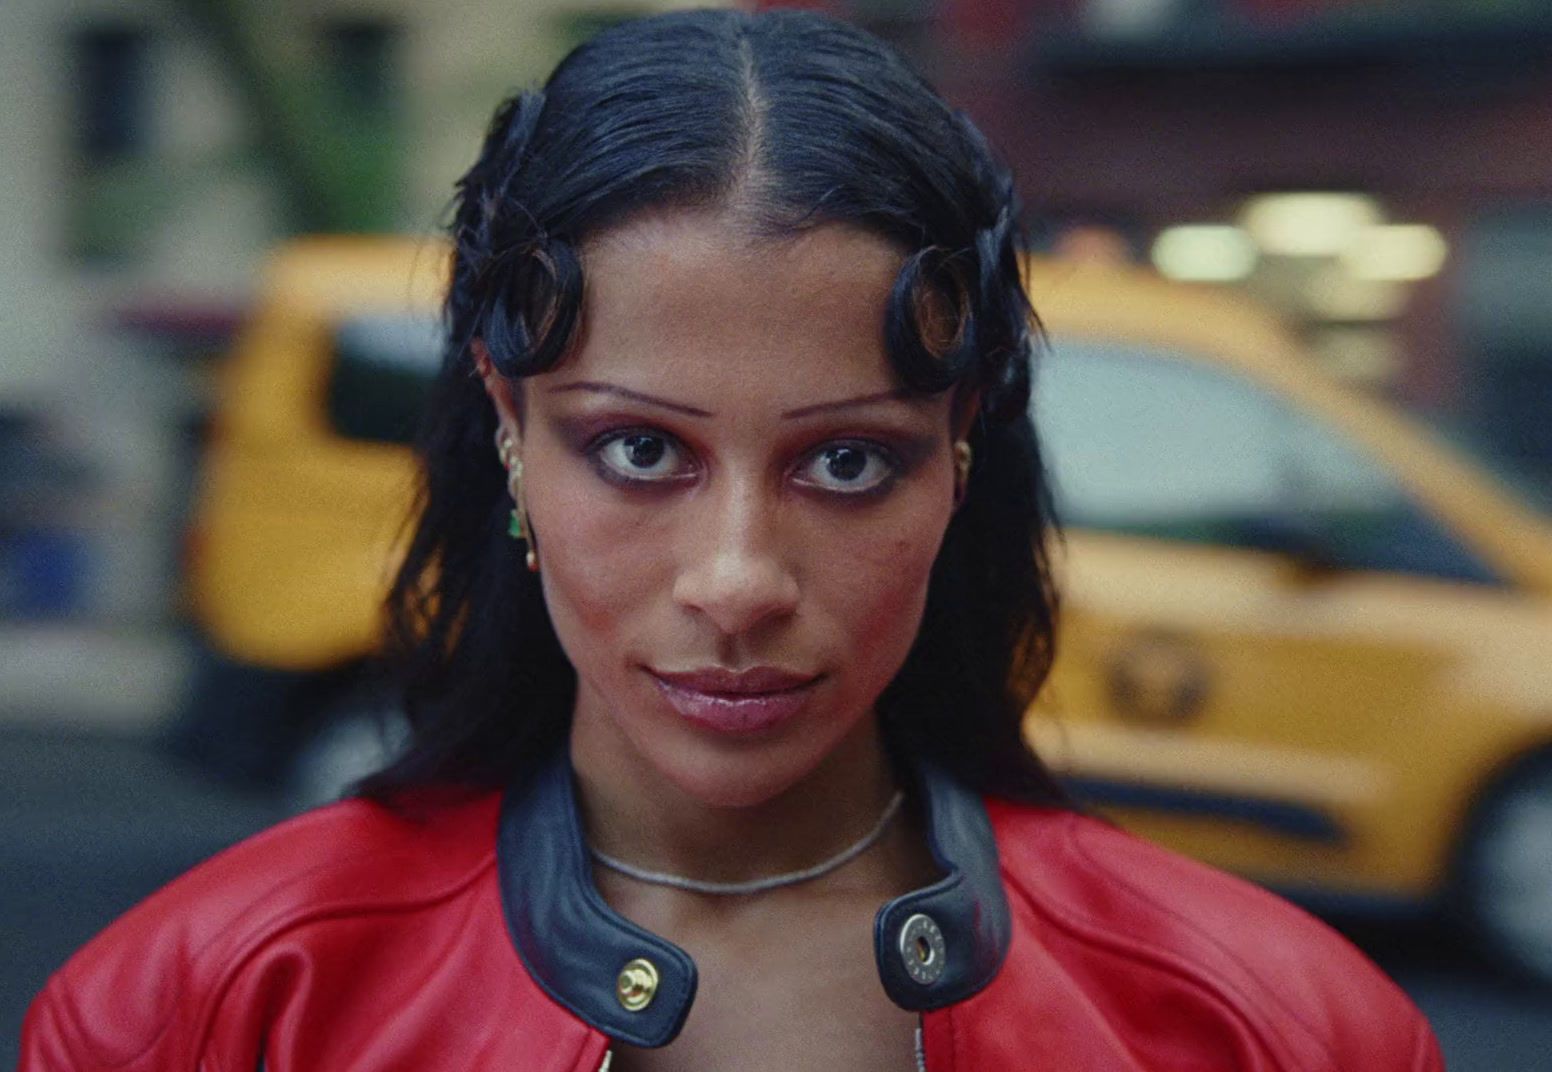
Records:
x=333, y=148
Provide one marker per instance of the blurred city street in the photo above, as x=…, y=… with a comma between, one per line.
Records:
x=1292, y=262
x=92, y=823
x=94, y=820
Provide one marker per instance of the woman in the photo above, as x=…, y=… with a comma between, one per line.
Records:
x=727, y=597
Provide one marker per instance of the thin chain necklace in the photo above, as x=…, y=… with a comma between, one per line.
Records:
x=759, y=885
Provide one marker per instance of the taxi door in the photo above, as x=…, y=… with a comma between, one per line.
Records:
x=1252, y=639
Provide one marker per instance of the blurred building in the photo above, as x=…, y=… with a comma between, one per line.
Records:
x=1380, y=170
x=154, y=151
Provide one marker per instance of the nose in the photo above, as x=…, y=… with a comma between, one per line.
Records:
x=735, y=570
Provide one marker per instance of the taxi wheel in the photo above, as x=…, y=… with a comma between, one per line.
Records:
x=1505, y=881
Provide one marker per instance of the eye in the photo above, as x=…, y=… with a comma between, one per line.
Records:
x=848, y=468
x=641, y=456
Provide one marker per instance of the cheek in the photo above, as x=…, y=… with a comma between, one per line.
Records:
x=872, y=584
x=600, y=562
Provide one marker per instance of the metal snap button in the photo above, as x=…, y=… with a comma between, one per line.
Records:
x=636, y=985
x=922, y=949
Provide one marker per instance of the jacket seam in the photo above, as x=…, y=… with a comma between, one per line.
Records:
x=1291, y=1012
x=65, y=1003
x=62, y=1012
x=587, y=1036
x=279, y=925
x=1159, y=960
x=263, y=933
x=1222, y=990
x=60, y=984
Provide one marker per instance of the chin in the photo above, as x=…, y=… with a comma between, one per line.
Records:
x=743, y=777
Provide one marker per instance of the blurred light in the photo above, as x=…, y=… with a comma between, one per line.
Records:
x=1396, y=252
x=1094, y=245
x=1204, y=253
x=1130, y=18
x=1334, y=294
x=1308, y=224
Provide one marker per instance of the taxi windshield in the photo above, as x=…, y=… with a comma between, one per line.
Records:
x=381, y=374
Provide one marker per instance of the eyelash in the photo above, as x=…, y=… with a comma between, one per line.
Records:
x=595, y=455
x=890, y=459
x=594, y=452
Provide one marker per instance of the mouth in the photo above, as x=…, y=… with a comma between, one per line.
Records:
x=736, y=702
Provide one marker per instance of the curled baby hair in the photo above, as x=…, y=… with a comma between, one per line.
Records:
x=781, y=121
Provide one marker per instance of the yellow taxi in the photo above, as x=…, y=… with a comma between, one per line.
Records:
x=300, y=512
x=1303, y=639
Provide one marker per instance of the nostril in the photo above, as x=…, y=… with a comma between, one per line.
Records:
x=737, y=591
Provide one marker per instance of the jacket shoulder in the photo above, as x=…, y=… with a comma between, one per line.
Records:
x=165, y=961
x=1311, y=998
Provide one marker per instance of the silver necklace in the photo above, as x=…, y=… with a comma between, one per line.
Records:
x=759, y=885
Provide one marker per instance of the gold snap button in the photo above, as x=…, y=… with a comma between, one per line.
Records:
x=922, y=949
x=637, y=984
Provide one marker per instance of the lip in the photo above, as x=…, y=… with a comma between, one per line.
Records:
x=736, y=702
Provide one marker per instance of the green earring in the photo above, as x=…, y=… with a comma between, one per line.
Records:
x=517, y=522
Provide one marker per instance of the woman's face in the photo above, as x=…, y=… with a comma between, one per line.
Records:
x=736, y=510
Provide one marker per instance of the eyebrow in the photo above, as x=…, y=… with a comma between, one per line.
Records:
x=847, y=403
x=625, y=392
x=595, y=387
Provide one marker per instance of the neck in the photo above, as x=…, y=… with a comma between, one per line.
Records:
x=635, y=813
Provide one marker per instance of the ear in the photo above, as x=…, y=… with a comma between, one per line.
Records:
x=502, y=391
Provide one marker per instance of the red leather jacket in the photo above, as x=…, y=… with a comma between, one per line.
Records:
x=355, y=939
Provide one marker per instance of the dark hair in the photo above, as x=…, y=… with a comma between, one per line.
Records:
x=785, y=120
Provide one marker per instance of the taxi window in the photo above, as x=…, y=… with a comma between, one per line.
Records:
x=381, y=375
x=1152, y=444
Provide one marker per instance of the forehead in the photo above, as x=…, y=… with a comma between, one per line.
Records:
x=689, y=299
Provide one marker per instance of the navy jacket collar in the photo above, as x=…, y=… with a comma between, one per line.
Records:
x=934, y=946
